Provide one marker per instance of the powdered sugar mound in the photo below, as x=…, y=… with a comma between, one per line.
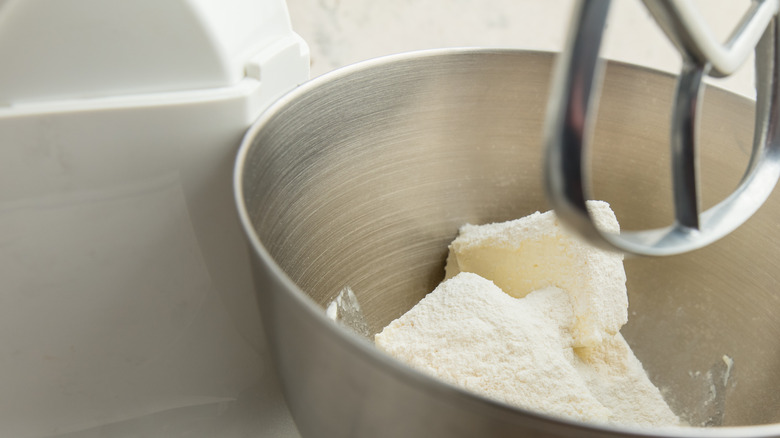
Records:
x=468, y=332
x=617, y=379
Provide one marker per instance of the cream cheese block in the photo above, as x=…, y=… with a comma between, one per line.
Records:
x=536, y=252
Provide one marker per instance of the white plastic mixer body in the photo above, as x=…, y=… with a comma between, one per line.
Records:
x=125, y=283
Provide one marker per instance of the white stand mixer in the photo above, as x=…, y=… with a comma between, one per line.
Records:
x=126, y=300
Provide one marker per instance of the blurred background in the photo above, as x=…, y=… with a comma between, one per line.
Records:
x=341, y=32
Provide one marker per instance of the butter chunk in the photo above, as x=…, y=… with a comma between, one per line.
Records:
x=536, y=252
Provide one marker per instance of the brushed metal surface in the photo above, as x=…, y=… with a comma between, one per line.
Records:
x=363, y=176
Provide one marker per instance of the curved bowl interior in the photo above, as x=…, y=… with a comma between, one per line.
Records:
x=362, y=178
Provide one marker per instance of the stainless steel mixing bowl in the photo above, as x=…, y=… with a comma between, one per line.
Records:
x=362, y=177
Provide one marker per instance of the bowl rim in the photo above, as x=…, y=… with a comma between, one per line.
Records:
x=387, y=363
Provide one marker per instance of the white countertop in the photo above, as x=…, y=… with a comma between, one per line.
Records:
x=341, y=32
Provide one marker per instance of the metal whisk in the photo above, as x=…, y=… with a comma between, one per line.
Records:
x=572, y=112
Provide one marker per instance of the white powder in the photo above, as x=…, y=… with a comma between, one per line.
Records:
x=525, y=351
